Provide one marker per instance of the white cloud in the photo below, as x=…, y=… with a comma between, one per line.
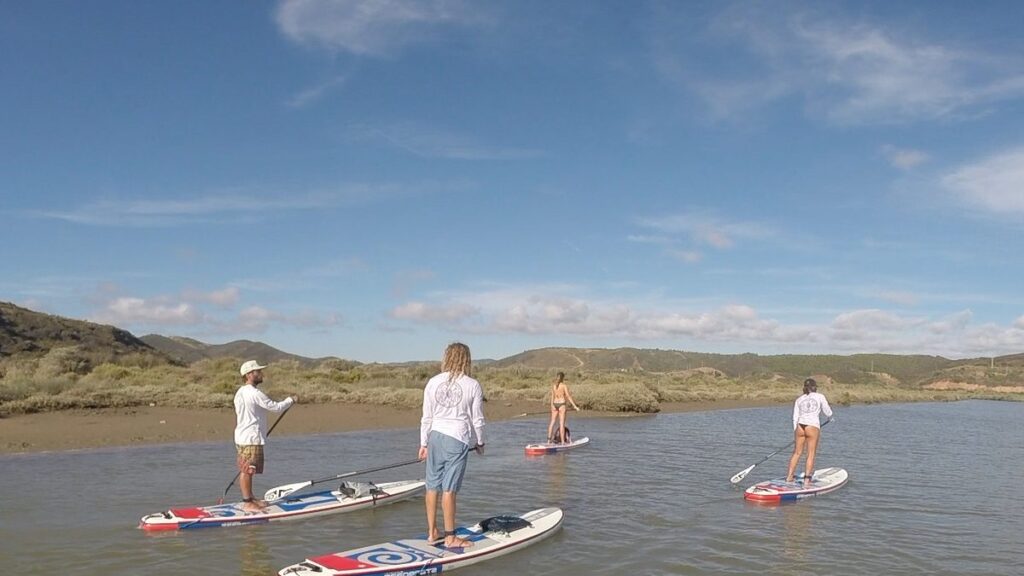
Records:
x=904, y=158
x=952, y=323
x=858, y=322
x=994, y=184
x=371, y=27
x=200, y=312
x=559, y=310
x=126, y=311
x=849, y=71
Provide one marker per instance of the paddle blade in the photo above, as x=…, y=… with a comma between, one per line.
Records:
x=741, y=475
x=282, y=491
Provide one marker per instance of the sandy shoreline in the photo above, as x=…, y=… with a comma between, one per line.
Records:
x=82, y=429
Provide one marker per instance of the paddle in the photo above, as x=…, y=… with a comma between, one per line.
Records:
x=531, y=414
x=743, y=473
x=282, y=491
x=239, y=473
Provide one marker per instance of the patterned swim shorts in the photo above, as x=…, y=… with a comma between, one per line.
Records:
x=250, y=458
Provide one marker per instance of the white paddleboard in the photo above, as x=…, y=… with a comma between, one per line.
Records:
x=554, y=447
x=821, y=482
x=415, y=556
x=302, y=506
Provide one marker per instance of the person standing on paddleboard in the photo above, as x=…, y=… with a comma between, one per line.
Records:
x=807, y=426
x=452, y=414
x=251, y=407
x=559, y=397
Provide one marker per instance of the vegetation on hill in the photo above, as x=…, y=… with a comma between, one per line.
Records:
x=52, y=363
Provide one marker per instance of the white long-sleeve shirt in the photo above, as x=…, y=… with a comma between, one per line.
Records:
x=807, y=408
x=251, y=407
x=453, y=408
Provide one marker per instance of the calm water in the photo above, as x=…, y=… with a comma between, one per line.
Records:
x=934, y=489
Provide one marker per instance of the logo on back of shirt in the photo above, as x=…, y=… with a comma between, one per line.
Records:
x=808, y=405
x=448, y=394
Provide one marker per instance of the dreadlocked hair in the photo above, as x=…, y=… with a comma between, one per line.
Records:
x=457, y=361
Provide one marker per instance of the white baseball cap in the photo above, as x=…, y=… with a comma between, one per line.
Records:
x=249, y=366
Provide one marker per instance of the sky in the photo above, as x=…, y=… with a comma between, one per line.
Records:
x=374, y=179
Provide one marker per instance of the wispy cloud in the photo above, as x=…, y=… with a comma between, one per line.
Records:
x=314, y=93
x=850, y=71
x=904, y=158
x=707, y=229
x=373, y=27
x=224, y=207
x=994, y=184
x=428, y=142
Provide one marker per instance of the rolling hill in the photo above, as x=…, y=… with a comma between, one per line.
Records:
x=188, y=350
x=27, y=333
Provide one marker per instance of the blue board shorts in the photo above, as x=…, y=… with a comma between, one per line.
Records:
x=446, y=462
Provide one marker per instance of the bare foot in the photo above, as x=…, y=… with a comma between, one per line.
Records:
x=252, y=507
x=456, y=542
x=434, y=536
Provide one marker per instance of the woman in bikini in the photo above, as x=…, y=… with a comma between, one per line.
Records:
x=807, y=427
x=559, y=397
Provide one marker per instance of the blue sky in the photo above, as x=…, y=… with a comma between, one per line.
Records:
x=375, y=179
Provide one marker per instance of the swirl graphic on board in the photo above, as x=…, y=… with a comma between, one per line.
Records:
x=448, y=394
x=391, y=556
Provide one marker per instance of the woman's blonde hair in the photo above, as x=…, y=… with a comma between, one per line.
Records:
x=457, y=360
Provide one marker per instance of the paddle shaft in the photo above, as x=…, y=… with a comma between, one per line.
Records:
x=743, y=474
x=239, y=473
x=287, y=489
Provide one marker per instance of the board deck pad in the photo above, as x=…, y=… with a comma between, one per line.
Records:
x=554, y=447
x=823, y=481
x=288, y=508
x=418, y=556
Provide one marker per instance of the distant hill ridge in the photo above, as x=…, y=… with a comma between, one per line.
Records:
x=189, y=350
x=26, y=333
x=31, y=333
x=905, y=369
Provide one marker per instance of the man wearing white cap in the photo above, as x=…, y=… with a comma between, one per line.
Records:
x=251, y=407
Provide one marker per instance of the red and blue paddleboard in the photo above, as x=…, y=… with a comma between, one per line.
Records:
x=491, y=538
x=554, y=447
x=302, y=506
x=821, y=482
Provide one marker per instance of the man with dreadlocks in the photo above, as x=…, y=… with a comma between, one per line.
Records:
x=452, y=414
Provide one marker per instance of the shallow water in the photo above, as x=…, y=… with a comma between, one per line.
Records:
x=933, y=489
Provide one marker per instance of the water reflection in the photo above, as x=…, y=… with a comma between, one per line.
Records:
x=796, y=525
x=255, y=558
x=556, y=478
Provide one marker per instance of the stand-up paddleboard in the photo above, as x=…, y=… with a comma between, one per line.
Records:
x=822, y=481
x=491, y=538
x=553, y=447
x=301, y=506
